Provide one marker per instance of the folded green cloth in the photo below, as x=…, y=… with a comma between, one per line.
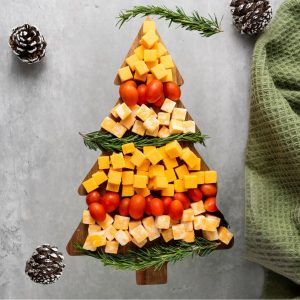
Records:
x=273, y=150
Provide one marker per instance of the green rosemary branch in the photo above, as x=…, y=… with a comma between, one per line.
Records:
x=155, y=256
x=107, y=142
x=195, y=22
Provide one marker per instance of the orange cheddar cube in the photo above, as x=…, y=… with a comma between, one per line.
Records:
x=170, y=174
x=189, y=157
x=182, y=171
x=112, y=187
x=200, y=176
x=160, y=182
x=90, y=185
x=147, y=149
x=154, y=156
x=169, y=191
x=127, y=177
x=128, y=163
x=138, y=158
x=173, y=149
x=117, y=160
x=127, y=190
x=114, y=177
x=190, y=181
x=140, y=181
x=149, y=39
x=179, y=186
x=197, y=166
x=103, y=162
x=156, y=170
x=128, y=148
x=210, y=176
x=99, y=177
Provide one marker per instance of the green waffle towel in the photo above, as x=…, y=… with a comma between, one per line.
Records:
x=273, y=150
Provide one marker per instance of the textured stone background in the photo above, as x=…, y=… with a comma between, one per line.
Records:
x=43, y=159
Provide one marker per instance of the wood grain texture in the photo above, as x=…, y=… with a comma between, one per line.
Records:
x=150, y=276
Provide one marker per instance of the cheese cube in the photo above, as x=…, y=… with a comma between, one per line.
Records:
x=200, y=176
x=154, y=235
x=225, y=235
x=140, y=181
x=168, y=105
x=139, y=233
x=150, y=55
x=179, y=186
x=150, y=227
x=134, y=109
x=125, y=74
x=118, y=130
x=182, y=171
x=188, y=226
x=148, y=25
x=161, y=49
x=93, y=229
x=140, y=245
x=143, y=192
x=160, y=182
x=154, y=156
x=151, y=124
x=197, y=166
x=151, y=64
x=175, y=126
x=127, y=190
x=88, y=244
x=128, y=122
x=90, y=185
x=87, y=218
x=211, y=222
x=170, y=174
x=110, y=232
x=103, y=162
x=114, y=177
x=144, y=112
x=122, y=237
x=128, y=163
x=127, y=177
x=139, y=52
x=162, y=222
x=99, y=177
x=167, y=61
x=138, y=128
x=149, y=39
x=112, y=187
x=152, y=133
x=156, y=170
x=173, y=149
x=210, y=176
x=141, y=172
x=147, y=149
x=117, y=161
x=188, y=215
x=163, y=132
x=170, y=163
x=167, y=234
x=108, y=221
x=98, y=239
x=121, y=222
x=141, y=67
x=190, y=181
x=131, y=60
x=144, y=166
x=164, y=118
x=178, y=231
x=210, y=235
x=189, y=157
x=199, y=222
x=189, y=236
x=168, y=77
x=133, y=224
x=128, y=148
x=169, y=191
x=138, y=77
x=159, y=71
x=111, y=247
x=108, y=124
x=123, y=111
x=179, y=114
x=198, y=208
x=138, y=158
x=189, y=126
x=113, y=111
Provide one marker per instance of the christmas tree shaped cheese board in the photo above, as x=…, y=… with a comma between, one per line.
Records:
x=151, y=197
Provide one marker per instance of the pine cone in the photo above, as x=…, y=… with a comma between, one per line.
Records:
x=251, y=16
x=27, y=43
x=45, y=265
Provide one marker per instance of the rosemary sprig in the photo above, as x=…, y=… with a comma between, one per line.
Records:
x=155, y=256
x=107, y=142
x=195, y=22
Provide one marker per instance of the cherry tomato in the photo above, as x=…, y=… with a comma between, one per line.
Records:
x=93, y=196
x=137, y=206
x=183, y=198
x=176, y=210
x=209, y=190
x=195, y=194
x=124, y=207
x=110, y=201
x=157, y=207
x=148, y=207
x=167, y=201
x=160, y=102
x=97, y=211
x=142, y=94
x=154, y=91
x=129, y=94
x=210, y=204
x=130, y=82
x=172, y=91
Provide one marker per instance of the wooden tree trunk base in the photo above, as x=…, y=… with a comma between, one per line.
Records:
x=150, y=276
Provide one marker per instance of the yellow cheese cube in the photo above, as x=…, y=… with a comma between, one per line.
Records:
x=150, y=77
x=160, y=182
x=141, y=172
x=188, y=226
x=159, y=71
x=108, y=124
x=168, y=105
x=200, y=176
x=144, y=166
x=189, y=236
x=139, y=52
x=138, y=128
x=121, y=222
x=167, y=61
x=93, y=229
x=154, y=156
x=210, y=235
x=108, y=221
x=182, y=171
x=169, y=191
x=98, y=239
x=147, y=149
x=118, y=130
x=141, y=67
x=90, y=185
x=133, y=224
x=162, y=222
x=117, y=161
x=140, y=181
x=148, y=25
x=111, y=247
x=127, y=190
x=199, y=222
x=178, y=231
x=150, y=65
x=168, y=77
x=122, y=237
x=198, y=208
x=164, y=118
x=189, y=157
x=140, y=245
x=189, y=126
x=225, y=235
x=173, y=149
x=190, y=181
x=87, y=218
x=163, y=132
x=128, y=163
x=210, y=176
x=156, y=170
x=114, y=177
x=127, y=177
x=123, y=111
x=125, y=73
x=131, y=60
x=188, y=215
x=143, y=192
x=175, y=126
x=138, y=158
x=144, y=112
x=179, y=113
x=149, y=39
x=161, y=49
x=113, y=111
x=197, y=166
x=150, y=55
x=128, y=122
x=103, y=162
x=128, y=148
x=167, y=234
x=112, y=187
x=170, y=174
x=179, y=186
x=99, y=177
x=110, y=232
x=88, y=244
x=152, y=133
x=170, y=163
x=139, y=77
x=151, y=124
x=139, y=233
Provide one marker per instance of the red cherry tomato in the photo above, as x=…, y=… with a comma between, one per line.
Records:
x=148, y=207
x=97, y=211
x=129, y=94
x=183, y=198
x=160, y=102
x=110, y=201
x=157, y=207
x=195, y=194
x=167, y=201
x=176, y=210
x=154, y=91
x=137, y=206
x=208, y=190
x=124, y=207
x=210, y=204
x=172, y=91
x=130, y=82
x=93, y=196
x=142, y=94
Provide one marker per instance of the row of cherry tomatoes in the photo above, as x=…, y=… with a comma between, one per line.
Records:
x=137, y=205
x=153, y=93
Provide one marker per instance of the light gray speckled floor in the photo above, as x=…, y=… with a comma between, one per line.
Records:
x=43, y=158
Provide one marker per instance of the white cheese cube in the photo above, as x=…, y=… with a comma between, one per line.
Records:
x=167, y=234
x=225, y=235
x=123, y=111
x=98, y=239
x=188, y=215
x=198, y=208
x=140, y=245
x=87, y=218
x=118, y=130
x=188, y=226
x=163, y=132
x=113, y=111
x=138, y=128
x=211, y=223
x=152, y=133
x=153, y=235
x=168, y=105
x=179, y=113
x=199, y=222
x=144, y=112
x=150, y=227
x=133, y=224
x=139, y=233
x=134, y=109
x=108, y=221
x=153, y=113
x=108, y=124
x=93, y=229
x=128, y=122
x=110, y=232
x=89, y=245
x=122, y=237
x=151, y=124
x=111, y=247
x=178, y=231
x=162, y=222
x=121, y=222
x=175, y=126
x=174, y=222
x=164, y=118
x=189, y=126
x=189, y=236
x=210, y=235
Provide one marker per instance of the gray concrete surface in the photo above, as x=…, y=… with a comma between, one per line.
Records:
x=44, y=106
